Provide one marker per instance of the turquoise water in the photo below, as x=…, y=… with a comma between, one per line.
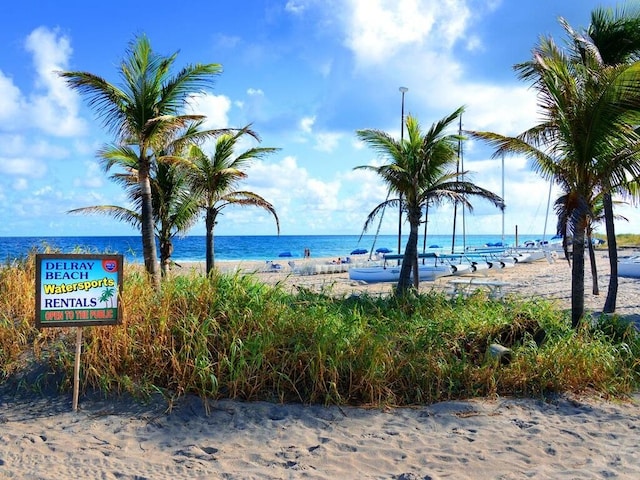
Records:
x=192, y=248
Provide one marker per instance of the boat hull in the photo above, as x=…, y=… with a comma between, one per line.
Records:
x=629, y=268
x=377, y=274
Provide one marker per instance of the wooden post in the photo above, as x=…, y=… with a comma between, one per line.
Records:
x=76, y=369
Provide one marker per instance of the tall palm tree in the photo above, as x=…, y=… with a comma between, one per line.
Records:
x=174, y=208
x=585, y=123
x=142, y=111
x=612, y=38
x=421, y=171
x=214, y=180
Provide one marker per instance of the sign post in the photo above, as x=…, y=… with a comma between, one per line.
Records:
x=78, y=290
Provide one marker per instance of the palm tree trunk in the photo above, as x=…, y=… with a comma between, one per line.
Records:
x=612, y=245
x=166, y=250
x=147, y=225
x=594, y=268
x=577, y=277
x=410, y=260
x=209, y=224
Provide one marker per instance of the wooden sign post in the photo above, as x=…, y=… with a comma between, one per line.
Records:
x=78, y=290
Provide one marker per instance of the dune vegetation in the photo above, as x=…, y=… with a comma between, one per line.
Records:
x=232, y=336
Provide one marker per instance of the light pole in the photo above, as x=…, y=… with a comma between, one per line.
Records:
x=403, y=90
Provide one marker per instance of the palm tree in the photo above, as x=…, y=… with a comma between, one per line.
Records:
x=597, y=216
x=213, y=180
x=143, y=111
x=174, y=208
x=612, y=38
x=422, y=172
x=585, y=123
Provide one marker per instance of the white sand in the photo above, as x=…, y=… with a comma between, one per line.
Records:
x=568, y=438
x=477, y=439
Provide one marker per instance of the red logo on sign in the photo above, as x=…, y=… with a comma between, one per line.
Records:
x=110, y=265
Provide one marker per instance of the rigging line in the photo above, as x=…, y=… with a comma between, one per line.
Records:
x=426, y=221
x=380, y=225
x=546, y=217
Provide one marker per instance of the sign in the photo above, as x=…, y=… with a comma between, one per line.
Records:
x=78, y=290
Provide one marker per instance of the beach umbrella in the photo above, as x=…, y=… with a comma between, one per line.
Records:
x=383, y=250
x=359, y=251
x=285, y=254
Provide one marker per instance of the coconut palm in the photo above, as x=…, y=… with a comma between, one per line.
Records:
x=597, y=216
x=612, y=38
x=214, y=179
x=174, y=208
x=421, y=171
x=585, y=124
x=142, y=112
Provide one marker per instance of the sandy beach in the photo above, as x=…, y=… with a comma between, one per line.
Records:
x=560, y=438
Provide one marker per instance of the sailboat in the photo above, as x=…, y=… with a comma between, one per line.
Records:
x=389, y=271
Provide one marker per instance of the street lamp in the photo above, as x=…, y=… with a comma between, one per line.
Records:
x=403, y=90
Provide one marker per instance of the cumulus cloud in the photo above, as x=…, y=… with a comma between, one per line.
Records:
x=55, y=107
x=306, y=124
x=11, y=102
x=294, y=192
x=24, y=167
x=214, y=107
x=376, y=29
x=327, y=141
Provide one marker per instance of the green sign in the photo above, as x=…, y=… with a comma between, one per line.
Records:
x=78, y=290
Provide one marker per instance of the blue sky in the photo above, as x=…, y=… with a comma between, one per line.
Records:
x=306, y=74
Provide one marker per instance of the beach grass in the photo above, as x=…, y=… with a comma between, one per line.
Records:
x=623, y=240
x=233, y=336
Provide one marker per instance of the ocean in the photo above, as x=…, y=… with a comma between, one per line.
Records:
x=192, y=248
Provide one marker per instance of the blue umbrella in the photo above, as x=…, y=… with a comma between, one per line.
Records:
x=359, y=251
x=285, y=254
x=383, y=250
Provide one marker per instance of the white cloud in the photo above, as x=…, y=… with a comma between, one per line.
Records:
x=295, y=7
x=298, y=197
x=327, y=141
x=26, y=167
x=11, y=102
x=306, y=124
x=377, y=29
x=214, y=107
x=507, y=109
x=56, y=110
x=20, y=184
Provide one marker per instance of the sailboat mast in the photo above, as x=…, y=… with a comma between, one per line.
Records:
x=403, y=90
x=502, y=238
x=461, y=154
x=455, y=204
